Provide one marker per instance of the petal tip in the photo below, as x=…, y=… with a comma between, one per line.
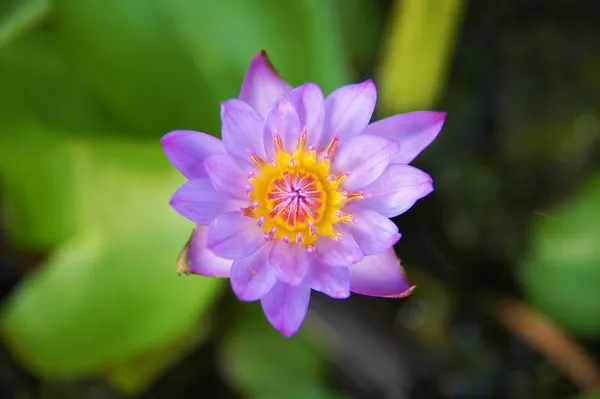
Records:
x=240, y=293
x=368, y=82
x=428, y=188
x=228, y=105
x=287, y=332
x=370, y=85
x=263, y=57
x=437, y=120
x=167, y=138
x=340, y=295
x=404, y=293
x=224, y=106
x=440, y=117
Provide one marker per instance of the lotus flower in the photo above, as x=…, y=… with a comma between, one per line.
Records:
x=298, y=194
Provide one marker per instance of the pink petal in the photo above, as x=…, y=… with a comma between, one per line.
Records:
x=290, y=262
x=282, y=120
x=262, y=85
x=285, y=307
x=380, y=275
x=372, y=232
x=348, y=110
x=204, y=261
x=252, y=277
x=310, y=104
x=365, y=158
x=233, y=236
x=414, y=131
x=330, y=280
x=398, y=188
x=226, y=176
x=187, y=150
x=343, y=252
x=242, y=129
x=198, y=201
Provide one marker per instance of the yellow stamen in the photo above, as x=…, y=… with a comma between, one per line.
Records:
x=296, y=198
x=344, y=217
x=301, y=146
x=277, y=143
x=256, y=160
x=353, y=196
x=331, y=147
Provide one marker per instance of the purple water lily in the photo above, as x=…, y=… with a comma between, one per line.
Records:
x=298, y=194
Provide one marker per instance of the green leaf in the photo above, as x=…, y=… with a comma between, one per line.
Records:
x=239, y=29
x=262, y=363
x=19, y=17
x=362, y=25
x=134, y=376
x=41, y=104
x=417, y=53
x=561, y=274
x=37, y=185
x=166, y=64
x=40, y=91
x=112, y=291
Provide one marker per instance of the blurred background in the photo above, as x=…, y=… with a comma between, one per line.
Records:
x=505, y=252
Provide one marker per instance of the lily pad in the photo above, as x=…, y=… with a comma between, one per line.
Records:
x=561, y=275
x=110, y=292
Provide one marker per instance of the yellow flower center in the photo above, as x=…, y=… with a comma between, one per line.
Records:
x=295, y=198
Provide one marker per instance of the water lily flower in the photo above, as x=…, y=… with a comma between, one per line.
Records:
x=298, y=194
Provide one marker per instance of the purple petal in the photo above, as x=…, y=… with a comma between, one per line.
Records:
x=204, y=261
x=372, y=232
x=289, y=261
x=414, y=131
x=285, y=307
x=198, y=201
x=330, y=280
x=233, y=236
x=226, y=176
x=343, y=252
x=380, y=275
x=242, y=129
x=282, y=120
x=262, y=85
x=349, y=109
x=365, y=158
x=252, y=277
x=310, y=104
x=187, y=150
x=398, y=188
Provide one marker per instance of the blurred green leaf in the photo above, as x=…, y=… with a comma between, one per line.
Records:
x=37, y=181
x=307, y=47
x=135, y=375
x=561, y=274
x=417, y=53
x=17, y=17
x=40, y=92
x=362, y=25
x=304, y=392
x=112, y=291
x=262, y=363
x=165, y=65
x=591, y=395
